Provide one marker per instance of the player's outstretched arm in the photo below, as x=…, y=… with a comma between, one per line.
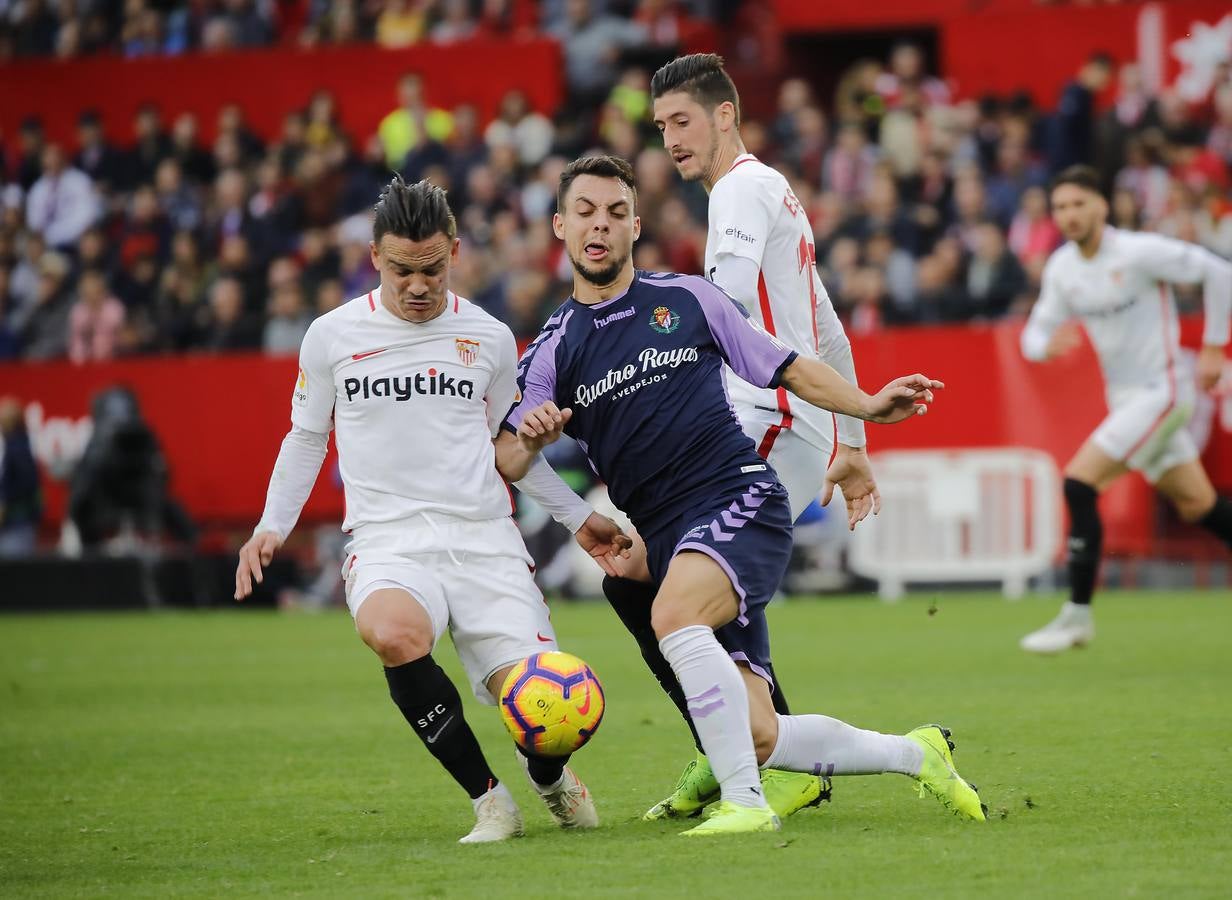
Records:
x=816, y=383
x=256, y=554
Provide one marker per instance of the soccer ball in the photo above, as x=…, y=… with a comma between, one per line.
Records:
x=552, y=703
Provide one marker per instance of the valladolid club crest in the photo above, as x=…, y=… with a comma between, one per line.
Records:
x=468, y=350
x=663, y=320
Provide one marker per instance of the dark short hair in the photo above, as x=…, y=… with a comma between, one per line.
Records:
x=1080, y=175
x=701, y=76
x=601, y=166
x=1102, y=58
x=414, y=211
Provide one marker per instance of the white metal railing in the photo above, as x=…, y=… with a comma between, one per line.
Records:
x=960, y=516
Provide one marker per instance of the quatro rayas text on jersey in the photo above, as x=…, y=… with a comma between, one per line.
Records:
x=434, y=384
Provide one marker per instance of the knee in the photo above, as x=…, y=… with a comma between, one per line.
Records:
x=1192, y=509
x=668, y=616
x=397, y=643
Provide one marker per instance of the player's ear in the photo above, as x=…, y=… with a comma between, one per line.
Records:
x=558, y=226
x=376, y=257
x=453, y=251
x=637, y=227
x=725, y=115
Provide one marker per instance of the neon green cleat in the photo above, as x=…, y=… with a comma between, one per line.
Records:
x=789, y=792
x=728, y=818
x=696, y=787
x=938, y=776
x=786, y=792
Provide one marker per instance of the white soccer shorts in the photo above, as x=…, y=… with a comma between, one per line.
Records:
x=801, y=467
x=1145, y=429
x=481, y=589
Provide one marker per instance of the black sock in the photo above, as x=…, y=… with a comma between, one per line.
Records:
x=432, y=707
x=632, y=601
x=1086, y=539
x=544, y=770
x=1219, y=520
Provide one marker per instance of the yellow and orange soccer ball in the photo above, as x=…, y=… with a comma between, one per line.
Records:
x=552, y=703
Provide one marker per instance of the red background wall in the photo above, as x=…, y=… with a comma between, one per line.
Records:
x=269, y=83
x=222, y=419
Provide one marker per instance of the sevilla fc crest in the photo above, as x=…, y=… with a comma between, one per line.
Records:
x=468, y=350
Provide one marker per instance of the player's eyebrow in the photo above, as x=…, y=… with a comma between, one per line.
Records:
x=613, y=205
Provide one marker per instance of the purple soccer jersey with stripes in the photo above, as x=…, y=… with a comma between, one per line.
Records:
x=643, y=376
x=642, y=373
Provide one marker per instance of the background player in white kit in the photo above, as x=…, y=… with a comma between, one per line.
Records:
x=759, y=248
x=414, y=380
x=1117, y=283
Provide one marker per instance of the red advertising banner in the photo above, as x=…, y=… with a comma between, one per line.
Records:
x=221, y=419
x=267, y=84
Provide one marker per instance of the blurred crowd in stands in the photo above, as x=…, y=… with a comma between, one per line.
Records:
x=926, y=208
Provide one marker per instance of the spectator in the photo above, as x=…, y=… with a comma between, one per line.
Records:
x=848, y=167
x=21, y=502
x=44, y=333
x=62, y=203
x=177, y=202
x=906, y=81
x=1033, y=236
x=455, y=23
x=10, y=346
x=194, y=162
x=412, y=123
x=150, y=148
x=229, y=327
x=520, y=126
x=401, y=24
x=593, y=45
x=288, y=320
x=1071, y=130
x=30, y=144
x=95, y=157
x=95, y=321
x=995, y=278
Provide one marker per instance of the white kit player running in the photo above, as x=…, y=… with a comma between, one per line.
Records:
x=414, y=381
x=1118, y=284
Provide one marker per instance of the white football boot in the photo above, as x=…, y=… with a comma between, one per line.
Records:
x=569, y=801
x=496, y=818
x=1073, y=627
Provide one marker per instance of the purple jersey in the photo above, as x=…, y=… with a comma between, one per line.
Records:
x=643, y=374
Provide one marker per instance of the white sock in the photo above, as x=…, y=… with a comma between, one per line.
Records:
x=502, y=795
x=826, y=746
x=719, y=706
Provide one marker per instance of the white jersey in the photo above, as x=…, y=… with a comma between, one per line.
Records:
x=414, y=408
x=754, y=214
x=1124, y=299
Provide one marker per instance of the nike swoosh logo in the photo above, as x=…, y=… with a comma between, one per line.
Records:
x=432, y=739
x=369, y=353
x=585, y=707
x=546, y=640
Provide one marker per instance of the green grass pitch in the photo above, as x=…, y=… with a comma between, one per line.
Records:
x=246, y=753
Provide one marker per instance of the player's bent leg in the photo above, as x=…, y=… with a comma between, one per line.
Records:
x=696, y=597
x=787, y=792
x=1191, y=492
x=400, y=631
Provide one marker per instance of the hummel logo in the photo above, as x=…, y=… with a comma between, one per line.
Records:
x=444, y=725
x=369, y=353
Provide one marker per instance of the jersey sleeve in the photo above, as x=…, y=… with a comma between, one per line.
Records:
x=503, y=389
x=753, y=354
x=1180, y=262
x=536, y=382
x=312, y=400
x=740, y=217
x=1049, y=313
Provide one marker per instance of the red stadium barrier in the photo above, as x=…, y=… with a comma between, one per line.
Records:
x=269, y=83
x=221, y=419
